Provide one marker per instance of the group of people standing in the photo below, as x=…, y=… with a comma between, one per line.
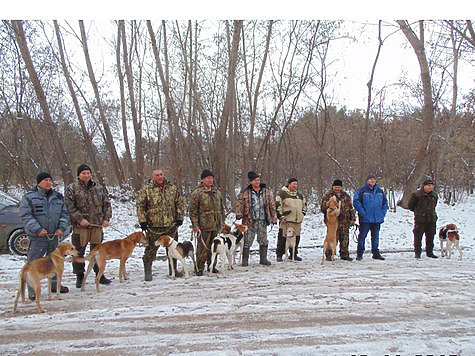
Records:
x=161, y=210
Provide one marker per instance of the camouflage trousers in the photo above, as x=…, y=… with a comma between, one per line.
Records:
x=342, y=239
x=153, y=234
x=203, y=251
x=259, y=228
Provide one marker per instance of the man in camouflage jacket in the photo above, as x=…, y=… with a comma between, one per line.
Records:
x=207, y=218
x=160, y=210
x=89, y=210
x=346, y=218
x=291, y=208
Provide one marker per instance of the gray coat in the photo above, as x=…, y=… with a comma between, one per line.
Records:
x=40, y=211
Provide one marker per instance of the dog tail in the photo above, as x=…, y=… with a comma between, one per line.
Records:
x=83, y=259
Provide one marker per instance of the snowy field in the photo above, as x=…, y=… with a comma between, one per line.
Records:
x=401, y=306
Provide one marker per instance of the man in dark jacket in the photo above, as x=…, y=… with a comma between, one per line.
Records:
x=371, y=205
x=45, y=218
x=423, y=203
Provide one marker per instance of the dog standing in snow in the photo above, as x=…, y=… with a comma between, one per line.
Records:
x=333, y=211
x=449, y=235
x=290, y=243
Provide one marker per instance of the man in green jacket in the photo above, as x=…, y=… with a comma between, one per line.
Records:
x=423, y=203
x=160, y=211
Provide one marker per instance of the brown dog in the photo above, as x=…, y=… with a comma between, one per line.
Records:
x=333, y=212
x=46, y=267
x=117, y=249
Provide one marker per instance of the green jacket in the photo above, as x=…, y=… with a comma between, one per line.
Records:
x=160, y=208
x=423, y=205
x=206, y=209
x=87, y=201
x=290, y=205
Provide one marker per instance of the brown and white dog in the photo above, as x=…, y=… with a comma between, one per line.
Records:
x=450, y=235
x=46, y=267
x=290, y=243
x=117, y=249
x=178, y=251
x=333, y=211
x=225, y=245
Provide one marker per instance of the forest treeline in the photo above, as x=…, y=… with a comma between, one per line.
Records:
x=231, y=96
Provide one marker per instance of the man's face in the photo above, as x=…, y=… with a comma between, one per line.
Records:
x=158, y=176
x=46, y=184
x=337, y=188
x=208, y=181
x=428, y=188
x=85, y=176
x=293, y=186
x=371, y=182
x=256, y=183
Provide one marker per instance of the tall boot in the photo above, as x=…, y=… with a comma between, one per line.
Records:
x=245, y=256
x=147, y=266
x=79, y=278
x=297, y=241
x=263, y=255
x=103, y=279
x=279, y=251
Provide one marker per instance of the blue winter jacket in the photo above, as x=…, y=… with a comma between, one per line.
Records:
x=40, y=211
x=371, y=204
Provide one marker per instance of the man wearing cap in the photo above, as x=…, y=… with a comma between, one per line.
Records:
x=89, y=211
x=207, y=216
x=423, y=203
x=45, y=219
x=256, y=207
x=160, y=211
x=291, y=207
x=372, y=205
x=346, y=218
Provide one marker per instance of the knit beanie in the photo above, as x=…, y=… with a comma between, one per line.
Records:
x=41, y=176
x=252, y=175
x=369, y=176
x=83, y=167
x=337, y=182
x=427, y=182
x=206, y=173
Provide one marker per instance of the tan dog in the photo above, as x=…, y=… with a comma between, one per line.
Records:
x=450, y=235
x=333, y=212
x=118, y=249
x=178, y=251
x=46, y=267
x=290, y=243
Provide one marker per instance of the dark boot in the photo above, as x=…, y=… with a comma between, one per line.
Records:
x=245, y=256
x=177, y=274
x=63, y=289
x=279, y=258
x=346, y=258
x=79, y=278
x=377, y=256
x=431, y=254
x=280, y=250
x=263, y=256
x=328, y=255
x=103, y=279
x=296, y=256
x=147, y=266
x=359, y=257
x=31, y=295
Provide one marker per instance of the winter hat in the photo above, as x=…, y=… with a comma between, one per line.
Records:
x=369, y=176
x=337, y=182
x=83, y=167
x=291, y=180
x=427, y=182
x=206, y=173
x=252, y=175
x=41, y=176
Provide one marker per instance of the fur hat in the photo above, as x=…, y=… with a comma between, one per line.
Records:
x=206, y=173
x=84, y=167
x=427, y=182
x=337, y=182
x=41, y=176
x=369, y=176
x=291, y=180
x=252, y=175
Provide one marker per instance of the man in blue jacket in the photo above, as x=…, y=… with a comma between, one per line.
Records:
x=372, y=205
x=45, y=218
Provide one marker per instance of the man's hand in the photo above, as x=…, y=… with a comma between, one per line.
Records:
x=43, y=233
x=178, y=222
x=283, y=221
x=58, y=233
x=196, y=229
x=105, y=223
x=84, y=223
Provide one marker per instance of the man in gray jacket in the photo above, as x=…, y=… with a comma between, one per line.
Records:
x=45, y=218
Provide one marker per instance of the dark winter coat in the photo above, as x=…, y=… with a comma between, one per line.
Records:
x=244, y=208
x=371, y=204
x=423, y=205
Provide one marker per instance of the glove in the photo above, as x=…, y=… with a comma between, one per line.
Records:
x=178, y=222
x=144, y=226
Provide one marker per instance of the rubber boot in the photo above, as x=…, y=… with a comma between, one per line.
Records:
x=297, y=241
x=103, y=279
x=177, y=274
x=245, y=256
x=279, y=251
x=263, y=255
x=147, y=267
x=79, y=278
x=328, y=255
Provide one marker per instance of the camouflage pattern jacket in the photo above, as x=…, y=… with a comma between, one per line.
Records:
x=87, y=201
x=206, y=209
x=290, y=205
x=160, y=207
x=347, y=214
x=244, y=208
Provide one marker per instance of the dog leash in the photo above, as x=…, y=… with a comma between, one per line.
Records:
x=112, y=227
x=354, y=234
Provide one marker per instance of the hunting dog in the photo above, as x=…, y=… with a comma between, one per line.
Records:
x=450, y=235
x=290, y=243
x=178, y=251
x=333, y=211
x=46, y=267
x=225, y=245
x=117, y=249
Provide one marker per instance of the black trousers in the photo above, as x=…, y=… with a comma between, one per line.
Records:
x=421, y=228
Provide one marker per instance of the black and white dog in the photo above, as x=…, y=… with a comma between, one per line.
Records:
x=225, y=245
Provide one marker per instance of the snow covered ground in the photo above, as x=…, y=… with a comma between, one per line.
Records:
x=401, y=306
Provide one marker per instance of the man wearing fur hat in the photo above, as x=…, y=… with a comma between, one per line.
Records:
x=45, y=219
x=423, y=203
x=89, y=210
x=291, y=207
x=346, y=218
x=256, y=207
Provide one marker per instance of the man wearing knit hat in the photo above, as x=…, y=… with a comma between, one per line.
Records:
x=45, y=218
x=423, y=203
x=372, y=205
x=346, y=218
x=89, y=210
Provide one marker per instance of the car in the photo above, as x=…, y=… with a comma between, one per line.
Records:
x=12, y=234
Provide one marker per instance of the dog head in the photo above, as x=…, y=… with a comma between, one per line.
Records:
x=332, y=203
x=226, y=229
x=138, y=237
x=290, y=233
x=67, y=249
x=164, y=241
x=452, y=232
x=239, y=229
